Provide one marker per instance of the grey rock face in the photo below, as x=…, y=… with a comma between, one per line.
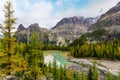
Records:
x=75, y=20
x=22, y=34
x=102, y=65
x=20, y=28
x=65, y=29
x=110, y=18
x=34, y=27
x=72, y=27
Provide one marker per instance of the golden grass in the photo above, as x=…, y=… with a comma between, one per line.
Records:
x=63, y=53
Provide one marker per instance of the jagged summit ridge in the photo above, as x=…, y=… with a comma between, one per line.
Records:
x=76, y=20
x=20, y=28
x=109, y=19
x=67, y=28
x=34, y=27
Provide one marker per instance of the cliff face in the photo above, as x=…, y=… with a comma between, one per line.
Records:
x=20, y=28
x=75, y=20
x=65, y=29
x=110, y=19
x=73, y=27
x=22, y=34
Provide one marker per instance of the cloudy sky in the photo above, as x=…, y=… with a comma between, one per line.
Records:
x=48, y=12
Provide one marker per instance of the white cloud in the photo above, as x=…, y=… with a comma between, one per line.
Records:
x=1, y=11
x=95, y=8
x=105, y=5
x=42, y=12
x=35, y=13
x=59, y=3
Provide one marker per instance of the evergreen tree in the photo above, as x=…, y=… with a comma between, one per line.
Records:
x=76, y=76
x=35, y=57
x=83, y=76
x=61, y=71
x=95, y=75
x=65, y=72
x=118, y=77
x=50, y=67
x=54, y=70
x=9, y=41
x=109, y=76
x=90, y=74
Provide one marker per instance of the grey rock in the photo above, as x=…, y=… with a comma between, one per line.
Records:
x=66, y=29
x=20, y=28
x=103, y=67
x=110, y=18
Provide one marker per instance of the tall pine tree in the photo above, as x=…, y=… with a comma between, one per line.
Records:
x=9, y=41
x=109, y=76
x=54, y=70
x=37, y=58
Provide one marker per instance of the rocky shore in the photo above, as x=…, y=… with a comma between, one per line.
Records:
x=103, y=66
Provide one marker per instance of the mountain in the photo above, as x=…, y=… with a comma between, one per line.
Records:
x=72, y=27
x=22, y=34
x=110, y=20
x=75, y=20
x=65, y=29
x=34, y=27
x=20, y=28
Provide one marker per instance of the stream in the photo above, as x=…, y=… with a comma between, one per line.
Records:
x=83, y=64
x=61, y=60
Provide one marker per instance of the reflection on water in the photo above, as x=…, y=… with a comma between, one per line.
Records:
x=61, y=59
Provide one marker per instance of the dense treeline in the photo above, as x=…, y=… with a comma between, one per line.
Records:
x=55, y=47
x=109, y=49
x=61, y=73
x=32, y=67
x=50, y=47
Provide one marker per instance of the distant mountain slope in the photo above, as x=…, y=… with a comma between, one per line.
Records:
x=72, y=27
x=75, y=20
x=110, y=19
x=22, y=33
x=20, y=28
x=65, y=29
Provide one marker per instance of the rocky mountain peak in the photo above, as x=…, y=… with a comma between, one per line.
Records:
x=79, y=20
x=113, y=11
x=34, y=27
x=118, y=4
x=109, y=19
x=70, y=20
x=72, y=27
x=20, y=28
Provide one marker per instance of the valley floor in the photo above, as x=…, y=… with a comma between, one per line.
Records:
x=82, y=63
x=102, y=65
x=113, y=66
